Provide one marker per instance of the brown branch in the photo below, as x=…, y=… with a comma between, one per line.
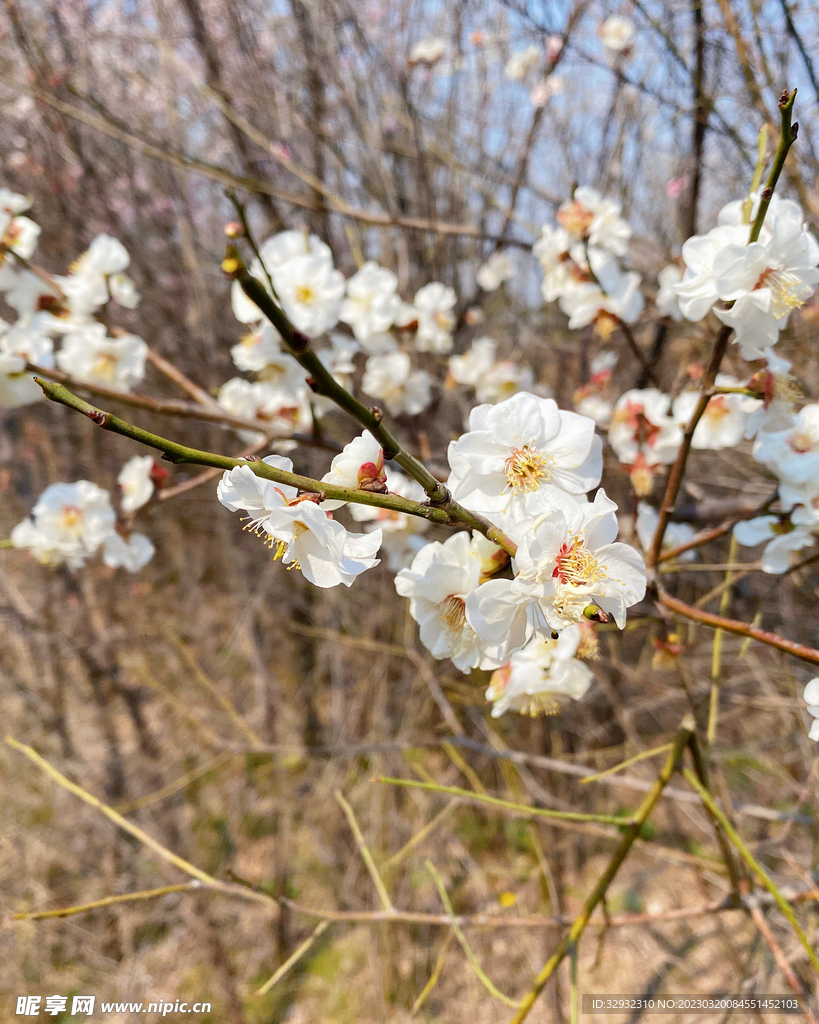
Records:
x=256, y=185
x=677, y=471
x=781, y=643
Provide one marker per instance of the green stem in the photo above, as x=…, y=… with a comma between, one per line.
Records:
x=6, y=543
x=323, y=383
x=787, y=138
x=753, y=864
x=522, y=810
x=681, y=740
x=181, y=454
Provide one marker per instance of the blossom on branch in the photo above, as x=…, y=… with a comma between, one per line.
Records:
x=538, y=678
x=303, y=535
x=567, y=559
x=518, y=446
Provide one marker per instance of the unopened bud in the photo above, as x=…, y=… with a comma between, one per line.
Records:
x=595, y=614
x=231, y=267
x=233, y=229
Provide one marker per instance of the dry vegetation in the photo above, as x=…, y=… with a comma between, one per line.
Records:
x=219, y=702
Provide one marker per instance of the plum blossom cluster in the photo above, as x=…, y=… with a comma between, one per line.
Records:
x=298, y=270
x=753, y=287
x=527, y=466
x=580, y=257
x=72, y=522
x=48, y=307
x=787, y=445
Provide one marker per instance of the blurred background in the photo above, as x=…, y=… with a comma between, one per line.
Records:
x=218, y=701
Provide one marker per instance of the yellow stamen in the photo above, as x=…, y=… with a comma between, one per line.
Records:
x=526, y=468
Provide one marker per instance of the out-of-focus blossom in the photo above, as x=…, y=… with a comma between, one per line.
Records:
x=675, y=533
x=538, y=678
x=783, y=541
x=68, y=524
x=90, y=355
x=522, y=63
x=136, y=482
x=436, y=321
x=667, y=305
x=617, y=33
x=429, y=50
x=372, y=302
x=284, y=412
x=497, y=269
x=725, y=419
x=391, y=379
x=644, y=435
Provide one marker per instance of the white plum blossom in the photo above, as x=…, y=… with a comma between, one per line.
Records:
x=763, y=281
x=302, y=534
x=258, y=349
x=617, y=33
x=697, y=292
x=725, y=419
x=589, y=217
x=540, y=676
x=391, y=379
x=402, y=533
x=595, y=407
x=310, y=291
x=275, y=252
x=567, y=559
x=17, y=233
x=675, y=533
x=793, y=455
x=666, y=301
x=522, y=63
x=811, y=697
x=438, y=583
x=372, y=302
x=433, y=305
x=778, y=391
x=90, y=355
x=559, y=270
x=428, y=50
x=542, y=91
x=784, y=541
x=25, y=342
x=136, y=482
x=497, y=269
x=359, y=465
x=615, y=294
x=643, y=434
x=97, y=274
x=283, y=411
x=766, y=281
x=68, y=524
x=131, y=554
x=492, y=379
x=518, y=446
x=123, y=291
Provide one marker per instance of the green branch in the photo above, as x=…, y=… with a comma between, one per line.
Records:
x=181, y=454
x=448, y=514
x=323, y=383
x=632, y=831
x=787, y=138
x=753, y=864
